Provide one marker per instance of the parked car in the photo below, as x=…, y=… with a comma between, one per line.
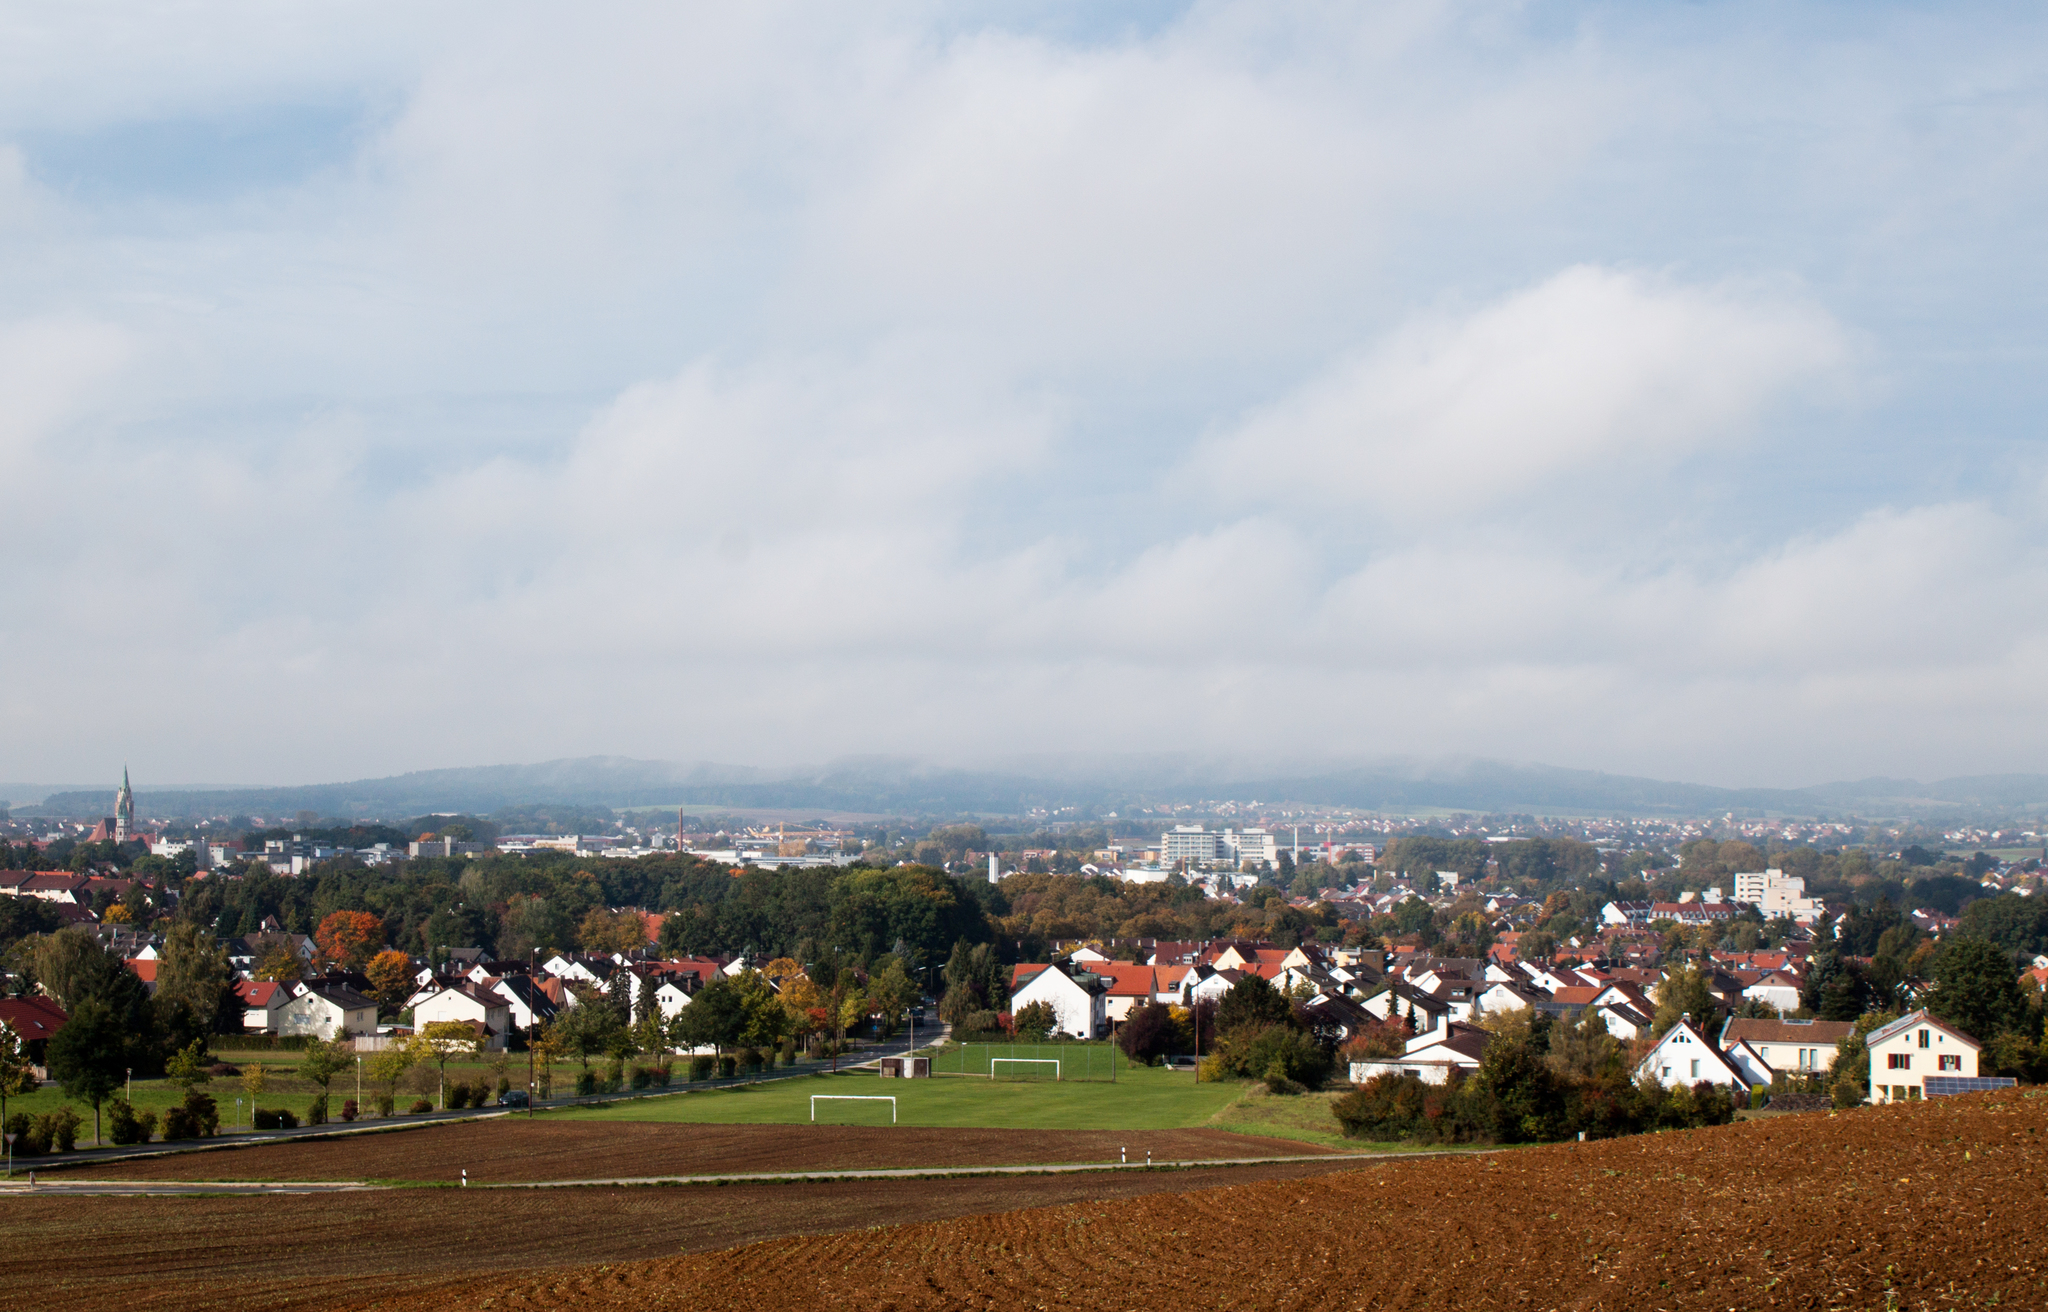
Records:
x=516, y=1098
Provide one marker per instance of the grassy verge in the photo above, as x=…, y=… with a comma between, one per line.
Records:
x=1303, y=1117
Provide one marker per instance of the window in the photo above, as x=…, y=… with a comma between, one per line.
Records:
x=1695, y=1068
x=1949, y=1062
x=1924, y=1039
x=1898, y=1061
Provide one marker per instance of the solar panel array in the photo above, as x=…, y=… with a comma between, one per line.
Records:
x=1943, y=1086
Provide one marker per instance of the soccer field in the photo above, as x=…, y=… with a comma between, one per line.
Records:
x=1143, y=1098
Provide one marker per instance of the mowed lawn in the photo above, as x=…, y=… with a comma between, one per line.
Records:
x=1143, y=1098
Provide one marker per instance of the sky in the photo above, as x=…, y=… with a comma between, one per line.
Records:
x=1646, y=388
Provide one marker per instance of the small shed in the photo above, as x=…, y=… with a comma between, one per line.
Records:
x=906, y=1068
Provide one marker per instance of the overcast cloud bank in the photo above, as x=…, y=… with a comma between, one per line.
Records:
x=1639, y=391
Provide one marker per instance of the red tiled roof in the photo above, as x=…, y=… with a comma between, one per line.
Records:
x=32, y=1018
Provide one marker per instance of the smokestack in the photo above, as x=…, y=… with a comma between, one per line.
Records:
x=994, y=874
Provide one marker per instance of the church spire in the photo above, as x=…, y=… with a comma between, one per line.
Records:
x=124, y=808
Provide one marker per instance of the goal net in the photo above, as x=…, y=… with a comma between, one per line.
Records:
x=854, y=1115
x=1034, y=1068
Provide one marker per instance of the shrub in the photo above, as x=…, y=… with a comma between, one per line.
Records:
x=1036, y=1020
x=198, y=1117
x=1147, y=1033
x=728, y=1067
x=316, y=1110
x=460, y=1095
x=1281, y=1056
x=750, y=1058
x=504, y=1087
x=1847, y=1093
x=663, y=1074
x=586, y=1084
x=125, y=1125
x=701, y=1068
x=386, y=1104
x=348, y=1109
x=27, y=1140
x=221, y=1068
x=420, y=1105
x=642, y=1077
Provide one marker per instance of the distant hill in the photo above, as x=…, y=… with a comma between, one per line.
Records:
x=890, y=787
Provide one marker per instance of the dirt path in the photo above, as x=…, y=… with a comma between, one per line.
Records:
x=516, y=1150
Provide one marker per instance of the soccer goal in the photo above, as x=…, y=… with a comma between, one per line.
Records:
x=1053, y=1062
x=817, y=1098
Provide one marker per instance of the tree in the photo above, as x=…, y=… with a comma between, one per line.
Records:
x=547, y=1050
x=324, y=1060
x=766, y=1019
x=1035, y=1020
x=715, y=1018
x=892, y=994
x=1147, y=1033
x=1252, y=1003
x=1976, y=988
x=89, y=1055
x=389, y=1067
x=17, y=1073
x=976, y=980
x=187, y=1066
x=623, y=932
x=279, y=965
x=1684, y=992
x=443, y=1039
x=349, y=938
x=194, y=973
x=390, y=973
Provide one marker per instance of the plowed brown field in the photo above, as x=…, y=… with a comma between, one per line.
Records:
x=199, y=1254
x=517, y=1150
x=1922, y=1205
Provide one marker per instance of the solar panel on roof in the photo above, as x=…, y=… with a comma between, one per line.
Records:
x=1943, y=1086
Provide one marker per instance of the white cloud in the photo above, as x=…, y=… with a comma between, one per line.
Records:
x=1590, y=370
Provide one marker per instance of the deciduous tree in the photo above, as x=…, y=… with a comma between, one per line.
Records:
x=349, y=938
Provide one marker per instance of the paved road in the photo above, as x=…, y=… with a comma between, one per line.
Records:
x=943, y=1172
x=19, y=1187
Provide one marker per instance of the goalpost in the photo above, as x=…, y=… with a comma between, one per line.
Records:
x=1053, y=1062
x=853, y=1097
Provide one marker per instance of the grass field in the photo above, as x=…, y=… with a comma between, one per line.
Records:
x=1143, y=1098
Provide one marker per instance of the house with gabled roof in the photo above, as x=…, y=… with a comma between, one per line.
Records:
x=327, y=1011
x=469, y=1003
x=34, y=1020
x=1906, y=1052
x=1431, y=1057
x=1795, y=1047
x=1685, y=1057
x=1079, y=999
x=1130, y=986
x=263, y=1004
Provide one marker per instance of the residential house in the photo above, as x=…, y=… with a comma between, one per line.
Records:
x=1079, y=1000
x=1794, y=1047
x=263, y=1004
x=1130, y=987
x=1430, y=1057
x=1684, y=1057
x=1904, y=1053
x=1398, y=1001
x=329, y=1010
x=486, y=1009
x=34, y=1020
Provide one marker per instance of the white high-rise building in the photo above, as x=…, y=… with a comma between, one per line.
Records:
x=1187, y=843
x=1776, y=893
x=1252, y=845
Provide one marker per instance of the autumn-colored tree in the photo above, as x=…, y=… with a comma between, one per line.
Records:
x=390, y=973
x=623, y=932
x=279, y=965
x=349, y=938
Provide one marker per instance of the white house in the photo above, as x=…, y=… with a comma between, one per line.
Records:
x=1755, y=1070
x=1430, y=1057
x=1780, y=988
x=1904, y=1053
x=1079, y=1004
x=1684, y=1057
x=263, y=1005
x=470, y=1003
x=326, y=1010
x=1795, y=1047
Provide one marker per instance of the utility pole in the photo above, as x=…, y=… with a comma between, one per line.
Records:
x=533, y=1015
